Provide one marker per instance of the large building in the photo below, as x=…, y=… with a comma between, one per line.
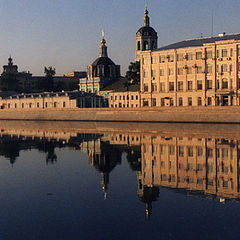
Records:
x=198, y=72
x=101, y=72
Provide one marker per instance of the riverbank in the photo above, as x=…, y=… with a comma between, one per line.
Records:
x=230, y=114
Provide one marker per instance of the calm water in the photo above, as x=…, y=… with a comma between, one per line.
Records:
x=163, y=183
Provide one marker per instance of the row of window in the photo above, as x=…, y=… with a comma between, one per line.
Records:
x=223, y=53
x=120, y=105
x=225, y=84
x=124, y=97
x=224, y=68
x=37, y=105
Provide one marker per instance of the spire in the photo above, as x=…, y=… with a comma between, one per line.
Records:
x=146, y=17
x=103, y=47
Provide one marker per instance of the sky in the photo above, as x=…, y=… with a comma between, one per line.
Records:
x=66, y=34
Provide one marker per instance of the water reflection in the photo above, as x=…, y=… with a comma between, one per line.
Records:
x=201, y=164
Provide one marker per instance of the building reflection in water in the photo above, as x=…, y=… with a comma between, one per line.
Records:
x=199, y=165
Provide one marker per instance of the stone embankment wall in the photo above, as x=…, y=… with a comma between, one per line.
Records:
x=183, y=114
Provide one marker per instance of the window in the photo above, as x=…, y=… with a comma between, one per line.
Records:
x=189, y=56
x=55, y=104
x=199, y=84
x=136, y=97
x=180, y=101
x=209, y=84
x=162, y=59
x=162, y=102
x=154, y=87
x=38, y=105
x=154, y=102
x=64, y=104
x=198, y=55
x=8, y=105
x=15, y=105
x=123, y=97
x=181, y=151
x=170, y=71
x=224, y=83
x=190, y=151
x=209, y=99
x=22, y=105
x=162, y=86
x=161, y=72
x=30, y=105
x=46, y=104
x=171, y=58
x=132, y=97
x=180, y=85
x=224, y=68
x=209, y=54
x=120, y=105
x=209, y=68
x=180, y=71
x=145, y=102
x=189, y=70
x=171, y=150
x=199, y=101
x=189, y=101
x=190, y=85
x=171, y=102
x=199, y=69
x=199, y=151
x=209, y=152
x=224, y=52
x=231, y=52
x=180, y=57
x=171, y=86
x=217, y=54
x=230, y=68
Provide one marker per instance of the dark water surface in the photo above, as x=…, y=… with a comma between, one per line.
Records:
x=67, y=184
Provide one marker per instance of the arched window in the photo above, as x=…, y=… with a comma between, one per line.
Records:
x=138, y=46
x=145, y=46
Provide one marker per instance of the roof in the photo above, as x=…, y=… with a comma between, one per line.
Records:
x=106, y=61
x=199, y=42
x=146, y=30
x=118, y=85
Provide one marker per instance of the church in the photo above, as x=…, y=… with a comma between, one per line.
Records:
x=101, y=72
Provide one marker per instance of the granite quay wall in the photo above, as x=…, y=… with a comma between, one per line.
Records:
x=63, y=129
x=230, y=114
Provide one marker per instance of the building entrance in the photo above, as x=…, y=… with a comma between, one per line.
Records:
x=225, y=101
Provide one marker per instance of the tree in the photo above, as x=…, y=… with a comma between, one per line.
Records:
x=133, y=73
x=8, y=82
x=47, y=83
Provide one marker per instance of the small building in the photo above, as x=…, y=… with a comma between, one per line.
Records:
x=46, y=100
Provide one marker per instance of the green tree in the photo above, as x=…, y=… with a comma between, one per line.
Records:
x=133, y=73
x=8, y=82
x=47, y=83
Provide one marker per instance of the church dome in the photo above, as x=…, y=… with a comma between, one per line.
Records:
x=146, y=31
x=105, y=61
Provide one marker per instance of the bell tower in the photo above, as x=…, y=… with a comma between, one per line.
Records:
x=146, y=36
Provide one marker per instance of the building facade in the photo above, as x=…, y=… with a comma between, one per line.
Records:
x=199, y=72
x=51, y=100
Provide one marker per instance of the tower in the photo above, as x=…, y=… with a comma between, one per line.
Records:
x=146, y=37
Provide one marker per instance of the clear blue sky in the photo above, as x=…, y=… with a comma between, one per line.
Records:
x=65, y=34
